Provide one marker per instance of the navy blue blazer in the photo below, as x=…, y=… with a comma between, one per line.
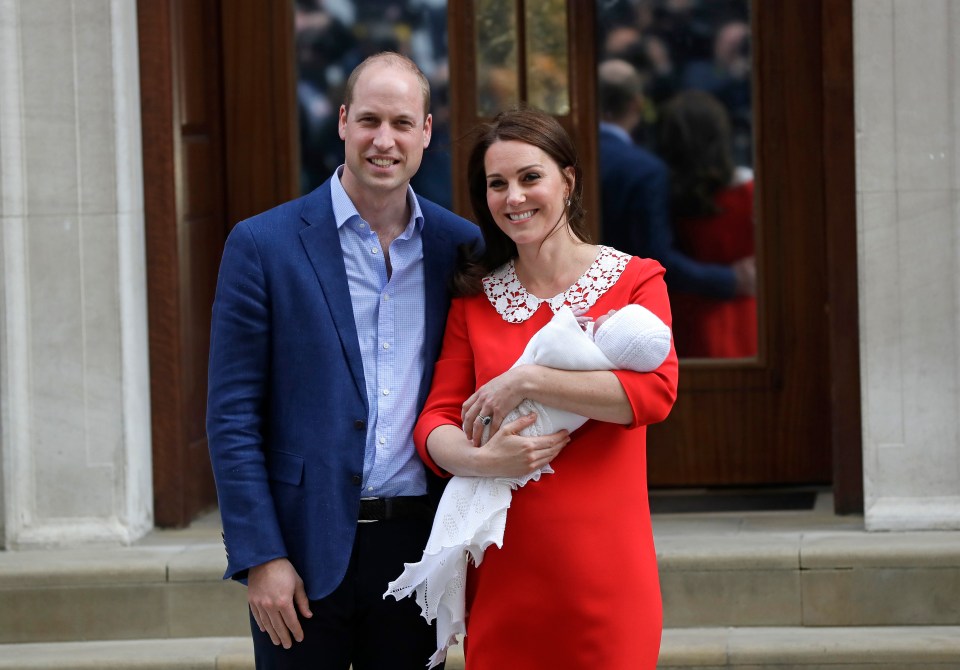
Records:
x=635, y=216
x=287, y=405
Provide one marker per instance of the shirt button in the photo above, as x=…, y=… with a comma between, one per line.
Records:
x=374, y=251
x=356, y=480
x=386, y=296
x=386, y=391
x=383, y=440
x=359, y=424
x=386, y=345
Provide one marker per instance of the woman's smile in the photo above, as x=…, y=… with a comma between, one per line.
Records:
x=519, y=217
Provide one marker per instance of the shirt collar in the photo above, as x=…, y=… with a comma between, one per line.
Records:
x=344, y=209
x=616, y=130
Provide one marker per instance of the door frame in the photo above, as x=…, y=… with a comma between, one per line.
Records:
x=219, y=144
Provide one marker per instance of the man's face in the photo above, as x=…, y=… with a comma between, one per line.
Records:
x=384, y=132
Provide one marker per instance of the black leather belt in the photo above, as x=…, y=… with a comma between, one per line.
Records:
x=400, y=507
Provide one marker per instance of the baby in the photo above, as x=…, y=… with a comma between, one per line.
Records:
x=631, y=338
x=472, y=513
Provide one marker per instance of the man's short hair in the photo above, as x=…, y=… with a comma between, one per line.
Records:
x=392, y=59
x=618, y=84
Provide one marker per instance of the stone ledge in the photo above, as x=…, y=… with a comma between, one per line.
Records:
x=88, y=566
x=810, y=550
x=926, y=549
x=208, y=653
x=182, y=654
x=879, y=648
x=887, y=647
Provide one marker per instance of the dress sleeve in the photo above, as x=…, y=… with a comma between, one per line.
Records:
x=651, y=394
x=454, y=379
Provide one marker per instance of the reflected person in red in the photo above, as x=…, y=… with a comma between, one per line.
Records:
x=712, y=213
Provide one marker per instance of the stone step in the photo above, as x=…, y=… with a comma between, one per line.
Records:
x=843, y=578
x=770, y=648
x=791, y=579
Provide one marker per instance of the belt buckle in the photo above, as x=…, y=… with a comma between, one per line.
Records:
x=367, y=520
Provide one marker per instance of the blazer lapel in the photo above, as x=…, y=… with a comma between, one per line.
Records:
x=438, y=260
x=321, y=241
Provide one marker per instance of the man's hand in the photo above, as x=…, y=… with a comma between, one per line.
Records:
x=274, y=590
x=745, y=271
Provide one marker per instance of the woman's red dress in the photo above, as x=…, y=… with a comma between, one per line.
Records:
x=706, y=327
x=575, y=584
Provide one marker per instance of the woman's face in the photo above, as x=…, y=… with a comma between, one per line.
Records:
x=526, y=191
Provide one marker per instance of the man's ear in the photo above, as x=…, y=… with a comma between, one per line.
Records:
x=427, y=130
x=342, y=122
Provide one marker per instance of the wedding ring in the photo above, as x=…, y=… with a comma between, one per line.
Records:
x=485, y=420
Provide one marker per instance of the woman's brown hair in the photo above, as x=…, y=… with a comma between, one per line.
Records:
x=530, y=126
x=695, y=142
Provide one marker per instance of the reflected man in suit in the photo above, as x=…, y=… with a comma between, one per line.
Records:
x=329, y=314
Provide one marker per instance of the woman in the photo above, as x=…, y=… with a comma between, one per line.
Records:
x=575, y=583
x=712, y=211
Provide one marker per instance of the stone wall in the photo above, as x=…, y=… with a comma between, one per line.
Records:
x=907, y=67
x=74, y=380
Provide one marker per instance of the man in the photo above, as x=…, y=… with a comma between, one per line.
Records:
x=328, y=317
x=635, y=194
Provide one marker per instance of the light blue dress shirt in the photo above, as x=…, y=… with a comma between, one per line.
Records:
x=389, y=313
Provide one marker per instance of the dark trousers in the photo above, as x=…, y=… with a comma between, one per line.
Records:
x=355, y=624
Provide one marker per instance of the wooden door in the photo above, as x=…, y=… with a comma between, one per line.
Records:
x=218, y=146
x=184, y=207
x=790, y=416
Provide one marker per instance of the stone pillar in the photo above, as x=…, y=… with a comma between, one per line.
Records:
x=74, y=378
x=908, y=179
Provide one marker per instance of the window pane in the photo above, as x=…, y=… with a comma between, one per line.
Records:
x=548, y=81
x=674, y=91
x=496, y=39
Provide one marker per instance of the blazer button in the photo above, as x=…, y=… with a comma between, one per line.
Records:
x=356, y=480
x=359, y=424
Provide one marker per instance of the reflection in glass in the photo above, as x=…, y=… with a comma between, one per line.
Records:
x=676, y=129
x=548, y=82
x=331, y=39
x=497, y=76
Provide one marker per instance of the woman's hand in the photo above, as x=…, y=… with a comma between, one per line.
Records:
x=506, y=454
x=490, y=403
x=509, y=454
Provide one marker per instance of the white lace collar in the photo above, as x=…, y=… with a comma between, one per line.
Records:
x=516, y=305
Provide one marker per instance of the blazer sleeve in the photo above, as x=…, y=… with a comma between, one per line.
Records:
x=236, y=404
x=454, y=379
x=651, y=394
